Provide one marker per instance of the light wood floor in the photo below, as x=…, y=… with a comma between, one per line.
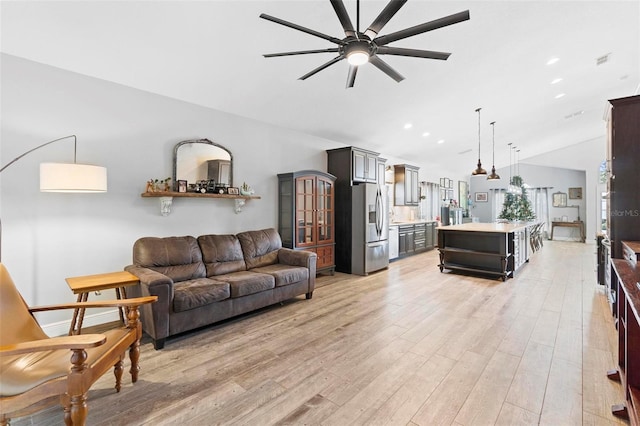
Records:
x=405, y=346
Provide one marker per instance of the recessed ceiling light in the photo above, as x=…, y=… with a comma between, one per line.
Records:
x=556, y=80
x=559, y=95
x=441, y=141
x=552, y=61
x=408, y=126
x=425, y=134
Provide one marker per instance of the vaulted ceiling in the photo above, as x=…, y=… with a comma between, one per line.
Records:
x=210, y=53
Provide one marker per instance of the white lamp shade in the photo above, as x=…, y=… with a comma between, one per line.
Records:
x=64, y=177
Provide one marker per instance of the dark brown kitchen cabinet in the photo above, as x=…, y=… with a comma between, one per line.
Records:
x=624, y=173
x=306, y=214
x=363, y=164
x=406, y=187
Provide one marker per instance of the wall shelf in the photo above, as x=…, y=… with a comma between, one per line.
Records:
x=166, y=199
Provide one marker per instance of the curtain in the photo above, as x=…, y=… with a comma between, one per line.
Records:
x=498, y=201
x=539, y=198
x=430, y=205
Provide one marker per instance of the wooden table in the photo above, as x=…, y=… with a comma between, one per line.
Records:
x=84, y=285
x=576, y=224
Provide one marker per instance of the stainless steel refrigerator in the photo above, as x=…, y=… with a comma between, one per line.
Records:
x=370, y=228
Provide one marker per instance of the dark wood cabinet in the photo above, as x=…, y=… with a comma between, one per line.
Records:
x=361, y=164
x=625, y=275
x=415, y=238
x=406, y=237
x=486, y=248
x=406, y=186
x=306, y=214
x=430, y=235
x=624, y=173
x=352, y=166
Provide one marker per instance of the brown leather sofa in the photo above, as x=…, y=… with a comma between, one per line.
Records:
x=214, y=277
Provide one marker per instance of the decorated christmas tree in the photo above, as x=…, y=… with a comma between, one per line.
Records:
x=516, y=203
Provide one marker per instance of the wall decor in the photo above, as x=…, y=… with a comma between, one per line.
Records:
x=482, y=197
x=575, y=193
x=559, y=199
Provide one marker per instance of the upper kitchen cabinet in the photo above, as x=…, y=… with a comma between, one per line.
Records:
x=406, y=188
x=624, y=174
x=362, y=164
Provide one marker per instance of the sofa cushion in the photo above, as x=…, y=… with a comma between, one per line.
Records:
x=261, y=247
x=192, y=294
x=284, y=274
x=244, y=283
x=179, y=258
x=221, y=254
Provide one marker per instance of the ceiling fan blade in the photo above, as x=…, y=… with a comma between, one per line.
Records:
x=387, y=13
x=385, y=50
x=343, y=16
x=351, y=77
x=301, y=52
x=321, y=67
x=385, y=68
x=301, y=28
x=422, y=28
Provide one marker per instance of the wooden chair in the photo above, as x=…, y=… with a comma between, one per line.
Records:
x=36, y=370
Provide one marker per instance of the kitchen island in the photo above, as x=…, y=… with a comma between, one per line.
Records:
x=497, y=249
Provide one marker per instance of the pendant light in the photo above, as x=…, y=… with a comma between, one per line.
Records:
x=479, y=170
x=493, y=175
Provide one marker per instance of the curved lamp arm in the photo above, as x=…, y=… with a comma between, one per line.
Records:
x=75, y=146
x=65, y=177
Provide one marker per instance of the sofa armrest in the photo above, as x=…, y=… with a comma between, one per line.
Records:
x=155, y=316
x=306, y=259
x=302, y=258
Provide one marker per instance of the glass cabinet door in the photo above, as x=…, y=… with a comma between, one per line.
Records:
x=324, y=210
x=305, y=207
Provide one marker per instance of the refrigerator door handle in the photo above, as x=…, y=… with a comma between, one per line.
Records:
x=379, y=211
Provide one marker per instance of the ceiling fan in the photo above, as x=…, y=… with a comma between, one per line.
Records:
x=362, y=47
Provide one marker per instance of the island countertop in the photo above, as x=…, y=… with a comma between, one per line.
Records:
x=486, y=227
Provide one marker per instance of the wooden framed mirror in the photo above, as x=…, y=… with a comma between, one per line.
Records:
x=202, y=159
x=559, y=199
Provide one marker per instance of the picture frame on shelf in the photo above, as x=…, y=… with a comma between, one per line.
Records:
x=481, y=197
x=232, y=190
x=182, y=186
x=575, y=193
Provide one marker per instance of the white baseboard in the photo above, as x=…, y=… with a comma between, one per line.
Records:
x=61, y=328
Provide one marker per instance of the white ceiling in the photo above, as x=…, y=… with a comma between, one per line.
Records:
x=210, y=53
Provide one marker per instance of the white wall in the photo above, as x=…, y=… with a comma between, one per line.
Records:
x=50, y=236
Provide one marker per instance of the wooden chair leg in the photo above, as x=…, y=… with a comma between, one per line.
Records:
x=134, y=356
x=78, y=410
x=118, y=369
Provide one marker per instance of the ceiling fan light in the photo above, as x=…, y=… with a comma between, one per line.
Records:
x=358, y=57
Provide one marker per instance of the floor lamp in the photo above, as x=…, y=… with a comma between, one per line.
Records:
x=65, y=177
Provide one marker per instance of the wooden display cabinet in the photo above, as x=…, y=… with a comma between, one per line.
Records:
x=306, y=215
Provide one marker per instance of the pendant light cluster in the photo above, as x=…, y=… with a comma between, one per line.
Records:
x=513, y=189
x=479, y=170
x=493, y=175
